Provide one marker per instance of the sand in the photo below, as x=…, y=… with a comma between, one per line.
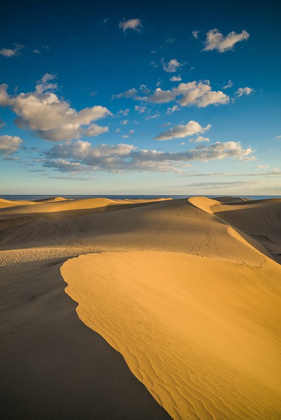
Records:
x=187, y=291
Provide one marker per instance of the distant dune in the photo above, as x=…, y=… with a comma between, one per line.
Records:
x=187, y=291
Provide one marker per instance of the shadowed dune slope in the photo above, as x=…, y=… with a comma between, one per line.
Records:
x=174, y=225
x=260, y=219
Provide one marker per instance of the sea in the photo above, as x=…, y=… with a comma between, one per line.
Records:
x=123, y=197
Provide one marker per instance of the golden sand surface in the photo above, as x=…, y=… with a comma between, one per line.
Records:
x=188, y=291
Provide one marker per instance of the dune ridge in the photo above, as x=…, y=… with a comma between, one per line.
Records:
x=187, y=291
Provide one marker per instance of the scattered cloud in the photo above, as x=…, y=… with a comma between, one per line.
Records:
x=134, y=24
x=152, y=117
x=9, y=144
x=2, y=124
x=36, y=51
x=278, y=137
x=50, y=117
x=124, y=112
x=193, y=93
x=228, y=85
x=199, y=94
x=244, y=91
x=76, y=156
x=9, y=52
x=223, y=184
x=182, y=130
x=172, y=66
x=126, y=136
x=173, y=109
x=124, y=122
x=200, y=139
x=140, y=109
x=160, y=96
x=216, y=41
x=175, y=79
x=263, y=166
x=195, y=34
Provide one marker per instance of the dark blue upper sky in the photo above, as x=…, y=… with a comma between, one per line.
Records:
x=220, y=117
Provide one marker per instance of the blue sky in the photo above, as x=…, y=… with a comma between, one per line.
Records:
x=134, y=98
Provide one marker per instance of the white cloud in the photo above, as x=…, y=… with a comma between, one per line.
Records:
x=126, y=136
x=117, y=130
x=124, y=157
x=2, y=124
x=173, y=109
x=50, y=117
x=200, y=139
x=134, y=24
x=228, y=85
x=152, y=117
x=160, y=96
x=124, y=122
x=131, y=93
x=200, y=94
x=9, y=144
x=182, y=130
x=124, y=112
x=8, y=52
x=172, y=66
x=140, y=109
x=36, y=51
x=244, y=91
x=216, y=41
x=175, y=79
x=195, y=34
x=193, y=93
x=182, y=143
x=263, y=166
x=278, y=137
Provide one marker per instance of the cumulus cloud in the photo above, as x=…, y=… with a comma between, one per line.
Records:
x=160, y=96
x=182, y=130
x=200, y=139
x=134, y=24
x=199, y=94
x=216, y=41
x=50, y=117
x=244, y=91
x=175, y=79
x=172, y=66
x=9, y=52
x=193, y=93
x=9, y=144
x=125, y=157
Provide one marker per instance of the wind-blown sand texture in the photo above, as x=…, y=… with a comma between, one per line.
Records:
x=188, y=291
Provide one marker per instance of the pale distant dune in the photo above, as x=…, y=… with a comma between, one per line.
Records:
x=187, y=291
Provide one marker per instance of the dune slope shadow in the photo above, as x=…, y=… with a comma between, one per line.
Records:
x=52, y=365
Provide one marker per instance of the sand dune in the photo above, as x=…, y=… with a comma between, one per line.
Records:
x=60, y=208
x=260, y=219
x=188, y=291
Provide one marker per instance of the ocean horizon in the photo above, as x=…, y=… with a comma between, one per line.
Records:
x=35, y=197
